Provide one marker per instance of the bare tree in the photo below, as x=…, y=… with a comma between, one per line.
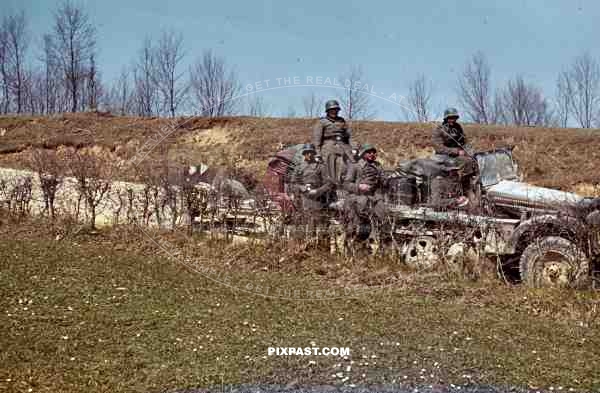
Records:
x=214, y=87
x=256, y=106
x=144, y=75
x=168, y=56
x=51, y=80
x=312, y=105
x=524, y=104
x=74, y=43
x=17, y=40
x=563, y=98
x=474, y=89
x=120, y=96
x=355, y=100
x=584, y=82
x=291, y=112
x=4, y=73
x=419, y=100
x=93, y=87
x=33, y=92
x=497, y=110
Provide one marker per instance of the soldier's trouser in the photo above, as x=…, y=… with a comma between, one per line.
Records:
x=335, y=156
x=313, y=215
x=442, y=188
x=361, y=208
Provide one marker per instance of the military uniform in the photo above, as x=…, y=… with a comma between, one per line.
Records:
x=371, y=202
x=331, y=136
x=448, y=140
x=311, y=182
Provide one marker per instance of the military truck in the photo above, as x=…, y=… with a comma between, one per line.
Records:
x=549, y=236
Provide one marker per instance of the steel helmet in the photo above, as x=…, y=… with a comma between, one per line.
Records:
x=451, y=112
x=308, y=147
x=332, y=104
x=365, y=148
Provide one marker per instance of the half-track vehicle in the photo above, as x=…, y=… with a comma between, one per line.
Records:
x=550, y=237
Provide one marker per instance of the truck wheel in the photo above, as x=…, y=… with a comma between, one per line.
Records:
x=553, y=262
x=421, y=253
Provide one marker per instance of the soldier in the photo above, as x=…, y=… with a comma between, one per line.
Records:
x=331, y=137
x=311, y=181
x=449, y=138
x=365, y=182
x=449, y=143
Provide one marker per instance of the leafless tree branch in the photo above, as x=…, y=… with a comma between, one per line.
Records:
x=474, y=89
x=213, y=86
x=356, y=103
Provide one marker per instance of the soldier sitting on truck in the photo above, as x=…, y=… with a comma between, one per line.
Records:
x=365, y=183
x=310, y=180
x=449, y=143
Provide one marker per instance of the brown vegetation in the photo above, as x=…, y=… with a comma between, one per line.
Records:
x=552, y=157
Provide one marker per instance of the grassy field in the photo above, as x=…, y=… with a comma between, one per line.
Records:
x=108, y=311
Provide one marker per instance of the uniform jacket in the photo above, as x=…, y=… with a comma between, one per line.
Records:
x=311, y=176
x=448, y=140
x=364, y=172
x=330, y=129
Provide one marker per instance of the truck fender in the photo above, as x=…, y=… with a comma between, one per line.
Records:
x=545, y=225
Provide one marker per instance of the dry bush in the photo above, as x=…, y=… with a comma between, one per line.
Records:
x=94, y=176
x=50, y=172
x=196, y=201
x=162, y=195
x=16, y=194
x=150, y=196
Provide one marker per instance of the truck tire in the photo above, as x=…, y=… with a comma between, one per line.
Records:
x=554, y=261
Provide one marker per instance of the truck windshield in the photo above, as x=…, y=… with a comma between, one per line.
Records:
x=495, y=167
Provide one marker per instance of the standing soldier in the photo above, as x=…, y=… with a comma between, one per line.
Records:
x=331, y=137
x=310, y=180
x=365, y=182
x=449, y=144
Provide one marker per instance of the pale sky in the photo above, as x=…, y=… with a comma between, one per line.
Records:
x=393, y=41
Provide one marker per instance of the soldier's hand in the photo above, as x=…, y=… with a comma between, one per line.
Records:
x=364, y=187
x=312, y=192
x=318, y=158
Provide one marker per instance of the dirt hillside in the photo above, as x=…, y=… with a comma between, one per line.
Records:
x=560, y=158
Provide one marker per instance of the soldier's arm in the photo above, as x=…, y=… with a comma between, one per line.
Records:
x=350, y=183
x=463, y=137
x=296, y=175
x=438, y=139
x=326, y=183
x=348, y=132
x=317, y=138
x=296, y=179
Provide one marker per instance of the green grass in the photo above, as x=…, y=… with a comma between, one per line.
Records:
x=94, y=313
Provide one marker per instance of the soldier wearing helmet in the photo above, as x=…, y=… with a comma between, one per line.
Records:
x=365, y=182
x=311, y=181
x=449, y=138
x=449, y=143
x=331, y=137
